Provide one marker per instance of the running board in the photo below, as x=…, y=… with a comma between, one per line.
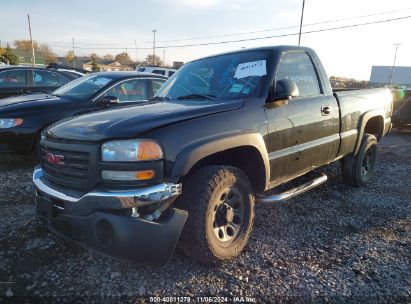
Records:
x=292, y=192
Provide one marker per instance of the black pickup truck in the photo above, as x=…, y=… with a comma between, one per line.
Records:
x=218, y=135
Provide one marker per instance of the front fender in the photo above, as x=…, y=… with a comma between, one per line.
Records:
x=195, y=152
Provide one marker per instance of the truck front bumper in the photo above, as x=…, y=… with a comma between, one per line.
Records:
x=93, y=220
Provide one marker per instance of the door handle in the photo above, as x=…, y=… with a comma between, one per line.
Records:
x=326, y=110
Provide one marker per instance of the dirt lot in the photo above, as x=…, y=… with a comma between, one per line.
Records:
x=333, y=244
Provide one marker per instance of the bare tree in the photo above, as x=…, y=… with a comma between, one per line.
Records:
x=123, y=58
x=108, y=57
x=70, y=56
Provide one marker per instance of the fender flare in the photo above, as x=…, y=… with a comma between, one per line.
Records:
x=363, y=122
x=197, y=151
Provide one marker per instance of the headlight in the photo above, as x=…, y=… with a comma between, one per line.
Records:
x=6, y=123
x=130, y=150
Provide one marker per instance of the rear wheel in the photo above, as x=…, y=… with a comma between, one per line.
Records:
x=220, y=203
x=357, y=170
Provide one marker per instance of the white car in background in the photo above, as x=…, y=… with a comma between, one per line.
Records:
x=157, y=70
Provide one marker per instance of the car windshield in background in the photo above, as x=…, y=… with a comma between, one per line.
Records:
x=225, y=77
x=84, y=87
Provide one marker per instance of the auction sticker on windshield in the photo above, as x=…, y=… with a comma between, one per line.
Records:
x=254, y=68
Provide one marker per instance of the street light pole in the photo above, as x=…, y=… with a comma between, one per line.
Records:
x=301, y=23
x=74, y=57
x=154, y=45
x=32, y=45
x=393, y=65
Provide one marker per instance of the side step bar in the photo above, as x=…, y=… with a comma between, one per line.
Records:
x=292, y=192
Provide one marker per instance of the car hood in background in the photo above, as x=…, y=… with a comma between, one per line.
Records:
x=26, y=98
x=129, y=122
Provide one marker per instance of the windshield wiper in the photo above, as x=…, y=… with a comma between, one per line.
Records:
x=159, y=98
x=197, y=96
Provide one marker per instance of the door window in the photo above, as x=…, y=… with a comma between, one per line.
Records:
x=13, y=78
x=63, y=80
x=160, y=72
x=45, y=79
x=129, y=91
x=298, y=67
x=156, y=85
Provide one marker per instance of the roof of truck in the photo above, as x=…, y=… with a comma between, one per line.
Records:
x=278, y=48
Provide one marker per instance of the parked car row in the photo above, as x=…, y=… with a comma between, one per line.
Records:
x=18, y=80
x=136, y=164
x=22, y=118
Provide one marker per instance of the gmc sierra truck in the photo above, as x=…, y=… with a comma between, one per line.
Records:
x=189, y=165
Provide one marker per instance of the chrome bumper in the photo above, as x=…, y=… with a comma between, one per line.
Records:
x=104, y=199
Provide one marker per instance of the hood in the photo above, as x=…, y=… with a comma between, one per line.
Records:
x=129, y=122
x=26, y=98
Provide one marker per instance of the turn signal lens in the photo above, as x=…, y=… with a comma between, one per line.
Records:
x=149, y=150
x=144, y=175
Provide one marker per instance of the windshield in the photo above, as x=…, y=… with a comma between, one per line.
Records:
x=84, y=87
x=229, y=76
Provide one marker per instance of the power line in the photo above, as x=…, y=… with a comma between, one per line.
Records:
x=244, y=33
x=260, y=38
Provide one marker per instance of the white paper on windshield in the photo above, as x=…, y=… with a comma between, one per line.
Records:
x=102, y=81
x=254, y=68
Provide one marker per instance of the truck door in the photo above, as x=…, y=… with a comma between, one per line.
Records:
x=314, y=115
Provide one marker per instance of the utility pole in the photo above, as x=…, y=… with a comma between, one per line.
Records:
x=31, y=39
x=74, y=57
x=301, y=23
x=154, y=45
x=135, y=44
x=164, y=58
x=393, y=65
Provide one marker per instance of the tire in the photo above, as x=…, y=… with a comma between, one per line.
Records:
x=356, y=170
x=220, y=203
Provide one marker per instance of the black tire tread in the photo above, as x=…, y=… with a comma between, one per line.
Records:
x=350, y=166
x=200, y=187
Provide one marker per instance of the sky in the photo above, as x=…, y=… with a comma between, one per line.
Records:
x=117, y=26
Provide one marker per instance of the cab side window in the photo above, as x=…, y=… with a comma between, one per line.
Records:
x=156, y=84
x=298, y=67
x=159, y=72
x=13, y=78
x=45, y=79
x=129, y=91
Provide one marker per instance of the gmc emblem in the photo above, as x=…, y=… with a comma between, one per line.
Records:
x=55, y=159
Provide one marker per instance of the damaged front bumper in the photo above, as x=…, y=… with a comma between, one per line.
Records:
x=93, y=220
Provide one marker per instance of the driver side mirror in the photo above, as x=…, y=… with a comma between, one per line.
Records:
x=107, y=101
x=284, y=89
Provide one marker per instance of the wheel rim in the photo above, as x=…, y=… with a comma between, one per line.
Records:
x=368, y=161
x=228, y=216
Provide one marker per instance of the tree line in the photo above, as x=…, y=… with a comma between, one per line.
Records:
x=7, y=55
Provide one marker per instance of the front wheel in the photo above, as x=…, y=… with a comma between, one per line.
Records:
x=220, y=203
x=357, y=170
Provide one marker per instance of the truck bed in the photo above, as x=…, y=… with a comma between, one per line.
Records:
x=353, y=105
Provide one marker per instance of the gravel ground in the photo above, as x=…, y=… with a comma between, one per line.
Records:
x=332, y=244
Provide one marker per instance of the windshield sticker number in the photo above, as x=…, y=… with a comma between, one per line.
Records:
x=236, y=88
x=254, y=68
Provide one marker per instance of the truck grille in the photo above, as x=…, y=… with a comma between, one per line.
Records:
x=67, y=168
